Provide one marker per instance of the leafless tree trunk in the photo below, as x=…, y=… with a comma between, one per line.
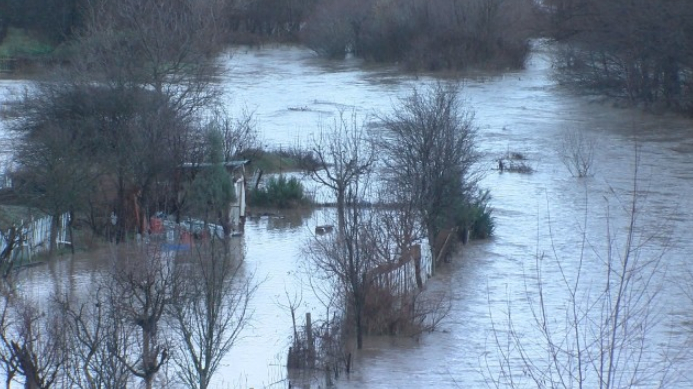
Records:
x=143, y=286
x=13, y=238
x=211, y=309
x=346, y=160
x=33, y=344
x=97, y=337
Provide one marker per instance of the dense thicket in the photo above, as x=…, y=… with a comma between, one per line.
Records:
x=54, y=20
x=431, y=154
x=139, y=82
x=275, y=19
x=89, y=148
x=424, y=34
x=641, y=50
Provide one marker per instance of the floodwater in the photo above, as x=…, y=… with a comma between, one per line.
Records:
x=548, y=214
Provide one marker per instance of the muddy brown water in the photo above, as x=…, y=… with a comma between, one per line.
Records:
x=292, y=93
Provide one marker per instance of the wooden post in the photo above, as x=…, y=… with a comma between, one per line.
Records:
x=443, y=249
x=328, y=377
x=309, y=340
x=416, y=253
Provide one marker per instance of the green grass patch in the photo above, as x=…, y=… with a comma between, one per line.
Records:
x=16, y=214
x=20, y=44
x=280, y=192
x=281, y=161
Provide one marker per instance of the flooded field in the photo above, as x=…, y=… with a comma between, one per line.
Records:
x=544, y=214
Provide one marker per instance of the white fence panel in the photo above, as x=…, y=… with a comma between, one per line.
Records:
x=35, y=236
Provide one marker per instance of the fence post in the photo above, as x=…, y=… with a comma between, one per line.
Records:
x=310, y=340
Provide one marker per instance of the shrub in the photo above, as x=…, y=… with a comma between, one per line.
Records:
x=280, y=192
x=328, y=31
x=577, y=152
x=283, y=160
x=299, y=158
x=475, y=216
x=19, y=44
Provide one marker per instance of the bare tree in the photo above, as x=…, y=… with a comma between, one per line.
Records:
x=33, y=344
x=82, y=143
x=97, y=337
x=375, y=277
x=398, y=231
x=346, y=160
x=12, y=238
x=602, y=336
x=577, y=152
x=429, y=142
x=143, y=282
x=10, y=366
x=345, y=261
x=141, y=74
x=211, y=310
x=240, y=134
x=53, y=175
x=166, y=46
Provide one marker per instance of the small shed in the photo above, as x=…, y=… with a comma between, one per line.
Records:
x=237, y=171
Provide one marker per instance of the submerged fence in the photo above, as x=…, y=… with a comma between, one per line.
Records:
x=33, y=237
x=401, y=276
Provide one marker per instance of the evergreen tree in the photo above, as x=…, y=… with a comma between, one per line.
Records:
x=212, y=190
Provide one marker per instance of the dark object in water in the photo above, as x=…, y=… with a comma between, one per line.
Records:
x=321, y=230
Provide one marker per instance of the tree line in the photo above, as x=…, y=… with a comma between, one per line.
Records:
x=105, y=135
x=638, y=50
x=427, y=35
x=415, y=182
x=150, y=318
x=430, y=35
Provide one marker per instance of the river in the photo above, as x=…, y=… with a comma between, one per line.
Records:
x=545, y=212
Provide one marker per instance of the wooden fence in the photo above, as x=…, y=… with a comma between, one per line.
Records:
x=401, y=276
x=34, y=236
x=7, y=65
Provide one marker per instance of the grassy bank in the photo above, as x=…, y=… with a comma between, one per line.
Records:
x=18, y=43
x=281, y=161
x=20, y=51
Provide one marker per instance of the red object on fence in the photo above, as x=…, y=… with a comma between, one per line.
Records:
x=186, y=237
x=156, y=225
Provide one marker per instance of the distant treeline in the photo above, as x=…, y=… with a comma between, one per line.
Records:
x=52, y=20
x=641, y=50
x=424, y=34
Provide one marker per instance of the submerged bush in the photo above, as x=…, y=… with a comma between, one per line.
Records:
x=280, y=192
x=475, y=216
